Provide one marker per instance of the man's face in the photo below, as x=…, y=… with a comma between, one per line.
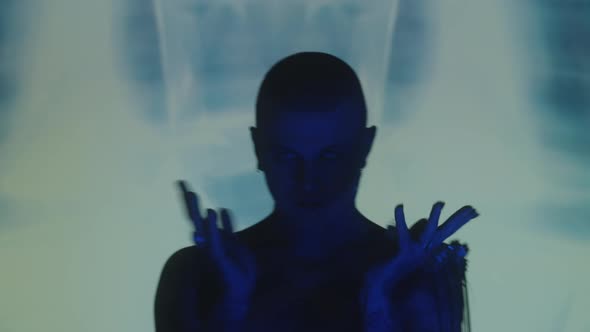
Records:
x=311, y=160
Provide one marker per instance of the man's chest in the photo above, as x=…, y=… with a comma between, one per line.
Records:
x=307, y=304
x=299, y=298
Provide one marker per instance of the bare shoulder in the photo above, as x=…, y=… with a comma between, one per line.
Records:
x=184, y=263
x=177, y=289
x=183, y=255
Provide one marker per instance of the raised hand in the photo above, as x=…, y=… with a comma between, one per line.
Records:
x=234, y=261
x=412, y=254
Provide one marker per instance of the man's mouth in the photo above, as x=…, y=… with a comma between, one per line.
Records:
x=306, y=204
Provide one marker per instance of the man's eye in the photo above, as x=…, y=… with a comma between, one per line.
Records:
x=329, y=155
x=287, y=156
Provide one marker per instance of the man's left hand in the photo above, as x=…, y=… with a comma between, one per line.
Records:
x=412, y=254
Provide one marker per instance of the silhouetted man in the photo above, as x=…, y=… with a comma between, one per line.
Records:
x=315, y=263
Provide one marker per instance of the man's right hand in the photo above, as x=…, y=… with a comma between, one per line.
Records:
x=234, y=261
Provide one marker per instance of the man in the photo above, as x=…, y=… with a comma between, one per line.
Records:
x=315, y=263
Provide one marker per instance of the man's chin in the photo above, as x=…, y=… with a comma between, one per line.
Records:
x=299, y=209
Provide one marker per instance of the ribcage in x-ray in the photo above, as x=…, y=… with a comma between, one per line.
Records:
x=140, y=59
x=11, y=37
x=561, y=86
x=190, y=56
x=409, y=64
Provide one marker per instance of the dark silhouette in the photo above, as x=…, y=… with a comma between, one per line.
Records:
x=315, y=263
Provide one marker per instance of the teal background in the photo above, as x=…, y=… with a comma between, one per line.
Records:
x=104, y=104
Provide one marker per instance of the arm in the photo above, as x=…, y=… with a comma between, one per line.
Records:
x=188, y=302
x=229, y=315
x=175, y=302
x=414, y=305
x=410, y=300
x=379, y=317
x=208, y=287
x=421, y=312
x=435, y=301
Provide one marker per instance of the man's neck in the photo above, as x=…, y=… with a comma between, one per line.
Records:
x=324, y=237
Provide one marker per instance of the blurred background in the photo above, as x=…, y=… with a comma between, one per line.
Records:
x=104, y=104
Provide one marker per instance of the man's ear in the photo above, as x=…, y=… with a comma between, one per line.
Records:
x=368, y=137
x=255, y=135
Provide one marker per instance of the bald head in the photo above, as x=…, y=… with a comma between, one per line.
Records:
x=310, y=138
x=310, y=82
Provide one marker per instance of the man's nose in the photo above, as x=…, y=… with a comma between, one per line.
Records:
x=307, y=176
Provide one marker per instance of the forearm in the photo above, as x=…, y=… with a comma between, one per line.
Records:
x=377, y=311
x=378, y=321
x=230, y=315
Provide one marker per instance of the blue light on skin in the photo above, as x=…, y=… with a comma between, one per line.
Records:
x=312, y=148
x=312, y=155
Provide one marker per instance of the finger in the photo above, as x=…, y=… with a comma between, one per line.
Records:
x=454, y=223
x=182, y=185
x=226, y=221
x=402, y=229
x=432, y=224
x=213, y=235
x=227, y=230
x=203, y=234
x=191, y=202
